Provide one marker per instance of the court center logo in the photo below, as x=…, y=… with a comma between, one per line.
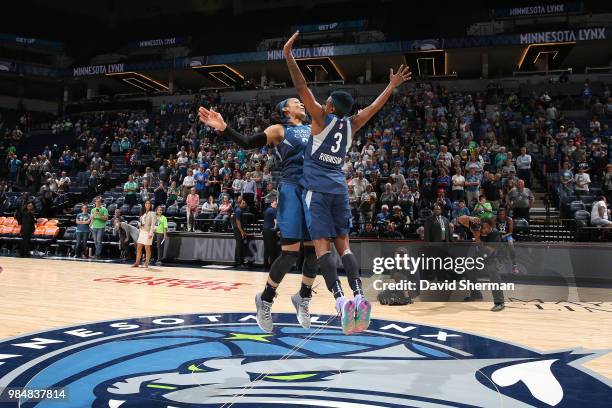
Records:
x=223, y=360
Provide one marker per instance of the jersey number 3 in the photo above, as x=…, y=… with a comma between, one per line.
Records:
x=336, y=148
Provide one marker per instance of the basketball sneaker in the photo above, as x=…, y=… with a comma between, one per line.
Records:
x=363, y=310
x=346, y=310
x=301, y=309
x=264, y=314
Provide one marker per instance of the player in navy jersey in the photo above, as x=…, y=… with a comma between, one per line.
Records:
x=326, y=202
x=290, y=138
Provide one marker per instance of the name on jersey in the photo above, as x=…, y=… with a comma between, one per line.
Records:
x=328, y=158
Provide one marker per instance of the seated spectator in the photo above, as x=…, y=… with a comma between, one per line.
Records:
x=210, y=208
x=225, y=210
x=483, y=209
x=368, y=231
x=600, y=216
x=459, y=209
x=389, y=197
x=400, y=219
x=384, y=215
x=391, y=232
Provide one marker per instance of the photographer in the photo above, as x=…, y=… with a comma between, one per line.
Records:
x=486, y=237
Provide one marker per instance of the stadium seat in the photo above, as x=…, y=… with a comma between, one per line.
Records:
x=136, y=210
x=521, y=228
x=172, y=226
x=111, y=209
x=577, y=205
x=587, y=199
x=125, y=209
x=582, y=215
x=172, y=210
x=120, y=201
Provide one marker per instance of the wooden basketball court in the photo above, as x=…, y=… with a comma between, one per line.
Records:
x=38, y=295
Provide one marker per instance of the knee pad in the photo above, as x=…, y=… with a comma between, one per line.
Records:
x=282, y=265
x=309, y=269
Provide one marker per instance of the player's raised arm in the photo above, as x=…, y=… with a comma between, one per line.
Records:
x=314, y=109
x=402, y=75
x=272, y=134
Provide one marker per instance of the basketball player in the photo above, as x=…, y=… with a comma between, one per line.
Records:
x=290, y=139
x=328, y=214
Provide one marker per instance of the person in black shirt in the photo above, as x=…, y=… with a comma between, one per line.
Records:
x=369, y=231
x=551, y=169
x=27, y=220
x=240, y=234
x=485, y=236
x=492, y=190
x=269, y=235
x=161, y=194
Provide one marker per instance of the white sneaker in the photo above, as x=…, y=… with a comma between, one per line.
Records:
x=264, y=314
x=301, y=309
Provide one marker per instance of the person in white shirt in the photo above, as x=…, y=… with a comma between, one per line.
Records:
x=359, y=183
x=188, y=183
x=582, y=181
x=523, y=166
x=64, y=182
x=458, y=186
x=599, y=213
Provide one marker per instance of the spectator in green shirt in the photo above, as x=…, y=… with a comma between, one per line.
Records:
x=161, y=230
x=99, y=215
x=483, y=209
x=130, y=188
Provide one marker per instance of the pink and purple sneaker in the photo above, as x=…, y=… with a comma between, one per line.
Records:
x=346, y=309
x=363, y=311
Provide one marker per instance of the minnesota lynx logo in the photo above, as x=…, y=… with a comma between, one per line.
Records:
x=224, y=360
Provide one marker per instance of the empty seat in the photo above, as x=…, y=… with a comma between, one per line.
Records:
x=521, y=226
x=576, y=206
x=136, y=209
x=582, y=215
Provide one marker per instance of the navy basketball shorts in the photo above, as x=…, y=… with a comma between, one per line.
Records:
x=290, y=214
x=327, y=215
